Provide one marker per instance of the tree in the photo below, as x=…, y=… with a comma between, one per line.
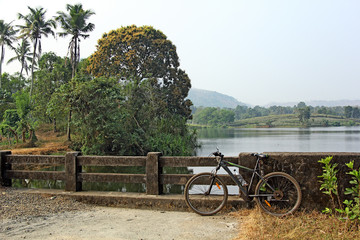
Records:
x=97, y=116
x=26, y=125
x=7, y=37
x=348, y=111
x=104, y=123
x=53, y=72
x=35, y=27
x=214, y=116
x=303, y=112
x=133, y=54
x=154, y=109
x=23, y=55
x=75, y=24
x=9, y=124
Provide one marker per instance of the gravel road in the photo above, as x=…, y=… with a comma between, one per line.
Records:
x=29, y=216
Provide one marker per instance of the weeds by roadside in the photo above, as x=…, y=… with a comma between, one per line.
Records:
x=302, y=225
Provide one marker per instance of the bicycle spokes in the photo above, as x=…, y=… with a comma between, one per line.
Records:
x=206, y=194
x=279, y=195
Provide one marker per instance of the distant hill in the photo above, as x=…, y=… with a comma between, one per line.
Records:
x=205, y=98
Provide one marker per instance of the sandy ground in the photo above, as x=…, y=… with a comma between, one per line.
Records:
x=120, y=223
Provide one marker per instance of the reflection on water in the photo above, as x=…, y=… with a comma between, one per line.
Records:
x=232, y=141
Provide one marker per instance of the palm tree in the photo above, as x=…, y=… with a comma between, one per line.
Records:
x=36, y=26
x=7, y=36
x=75, y=24
x=23, y=55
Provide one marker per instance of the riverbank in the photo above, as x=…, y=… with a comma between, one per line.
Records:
x=287, y=121
x=28, y=216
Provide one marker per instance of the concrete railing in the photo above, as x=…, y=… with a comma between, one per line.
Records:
x=304, y=167
x=73, y=176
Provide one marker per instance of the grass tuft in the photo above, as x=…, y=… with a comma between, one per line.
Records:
x=302, y=225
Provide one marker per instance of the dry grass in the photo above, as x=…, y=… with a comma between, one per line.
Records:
x=48, y=143
x=302, y=225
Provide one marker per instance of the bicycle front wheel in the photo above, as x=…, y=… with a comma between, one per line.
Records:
x=206, y=194
x=279, y=194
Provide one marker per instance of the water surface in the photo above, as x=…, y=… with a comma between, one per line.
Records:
x=232, y=141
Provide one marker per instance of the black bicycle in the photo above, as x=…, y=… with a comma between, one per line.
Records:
x=276, y=193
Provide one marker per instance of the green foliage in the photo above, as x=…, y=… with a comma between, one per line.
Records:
x=116, y=119
x=329, y=186
x=303, y=113
x=213, y=116
x=97, y=116
x=53, y=72
x=74, y=24
x=23, y=55
x=7, y=37
x=134, y=54
x=35, y=26
x=9, y=124
x=26, y=125
x=352, y=209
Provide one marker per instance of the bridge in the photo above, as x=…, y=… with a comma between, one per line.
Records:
x=303, y=166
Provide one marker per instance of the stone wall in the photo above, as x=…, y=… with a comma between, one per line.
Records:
x=305, y=168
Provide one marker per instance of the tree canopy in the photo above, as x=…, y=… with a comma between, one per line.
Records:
x=132, y=54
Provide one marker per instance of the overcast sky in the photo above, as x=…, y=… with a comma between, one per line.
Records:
x=256, y=51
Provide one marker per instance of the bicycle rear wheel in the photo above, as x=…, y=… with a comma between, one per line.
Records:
x=205, y=194
x=285, y=198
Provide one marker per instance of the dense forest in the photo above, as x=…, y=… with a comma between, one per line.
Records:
x=299, y=115
x=127, y=98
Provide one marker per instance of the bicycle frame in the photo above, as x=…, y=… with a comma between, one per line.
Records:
x=255, y=172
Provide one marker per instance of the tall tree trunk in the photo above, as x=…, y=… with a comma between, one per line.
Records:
x=24, y=136
x=74, y=64
x=68, y=128
x=54, y=124
x=1, y=62
x=32, y=68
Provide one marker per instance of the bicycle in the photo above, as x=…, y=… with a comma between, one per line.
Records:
x=277, y=193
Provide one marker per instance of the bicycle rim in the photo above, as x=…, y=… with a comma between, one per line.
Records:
x=284, y=200
x=198, y=197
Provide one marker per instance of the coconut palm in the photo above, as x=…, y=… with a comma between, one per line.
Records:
x=23, y=55
x=7, y=37
x=75, y=24
x=35, y=27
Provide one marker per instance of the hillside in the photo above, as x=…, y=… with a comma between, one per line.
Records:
x=291, y=120
x=204, y=98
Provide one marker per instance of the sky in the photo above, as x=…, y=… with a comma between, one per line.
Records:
x=257, y=51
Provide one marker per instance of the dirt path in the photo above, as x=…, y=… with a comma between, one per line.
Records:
x=120, y=223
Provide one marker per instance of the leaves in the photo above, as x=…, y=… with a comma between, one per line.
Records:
x=329, y=185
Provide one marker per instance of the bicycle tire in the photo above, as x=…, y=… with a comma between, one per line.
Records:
x=286, y=198
x=199, y=201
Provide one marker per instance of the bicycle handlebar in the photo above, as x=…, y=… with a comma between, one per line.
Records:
x=219, y=154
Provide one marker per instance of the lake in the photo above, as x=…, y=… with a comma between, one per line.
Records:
x=232, y=141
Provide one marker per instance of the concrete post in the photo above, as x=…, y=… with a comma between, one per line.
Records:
x=3, y=167
x=153, y=173
x=71, y=172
